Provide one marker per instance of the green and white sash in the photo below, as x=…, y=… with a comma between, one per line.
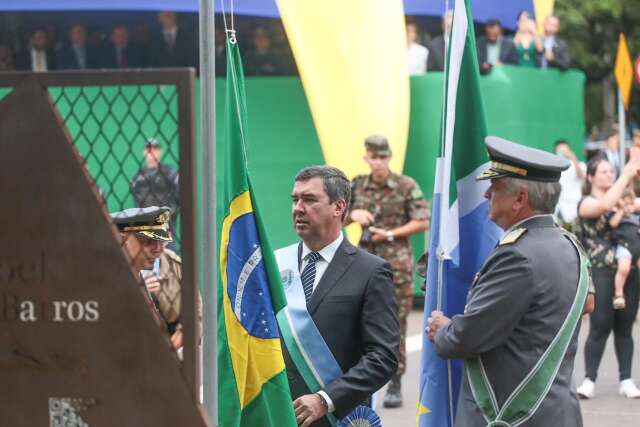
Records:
x=529, y=394
x=308, y=350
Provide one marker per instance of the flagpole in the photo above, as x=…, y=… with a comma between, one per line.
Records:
x=621, y=130
x=209, y=258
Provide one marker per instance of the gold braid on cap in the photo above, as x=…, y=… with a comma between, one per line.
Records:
x=509, y=168
x=163, y=227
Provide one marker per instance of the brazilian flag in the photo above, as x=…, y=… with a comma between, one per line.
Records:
x=252, y=382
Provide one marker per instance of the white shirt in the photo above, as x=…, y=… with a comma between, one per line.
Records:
x=38, y=60
x=327, y=253
x=417, y=56
x=570, y=194
x=170, y=37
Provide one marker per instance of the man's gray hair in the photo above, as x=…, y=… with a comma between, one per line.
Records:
x=336, y=184
x=543, y=196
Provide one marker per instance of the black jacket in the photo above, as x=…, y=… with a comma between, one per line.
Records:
x=354, y=309
x=508, y=54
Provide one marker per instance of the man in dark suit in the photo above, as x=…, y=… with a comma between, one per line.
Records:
x=39, y=57
x=493, y=48
x=556, y=50
x=119, y=53
x=173, y=45
x=347, y=287
x=76, y=55
x=437, y=45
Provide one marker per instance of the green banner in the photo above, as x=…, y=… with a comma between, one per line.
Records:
x=528, y=106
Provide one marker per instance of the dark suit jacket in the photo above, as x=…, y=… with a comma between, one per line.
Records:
x=23, y=60
x=561, y=60
x=134, y=58
x=435, y=62
x=508, y=54
x=183, y=54
x=354, y=309
x=68, y=60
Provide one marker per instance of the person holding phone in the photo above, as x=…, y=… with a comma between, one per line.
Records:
x=601, y=193
x=527, y=41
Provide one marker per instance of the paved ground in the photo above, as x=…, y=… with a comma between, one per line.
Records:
x=606, y=410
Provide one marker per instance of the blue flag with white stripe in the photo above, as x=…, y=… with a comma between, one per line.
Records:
x=462, y=234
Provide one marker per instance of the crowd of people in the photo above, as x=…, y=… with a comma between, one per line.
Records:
x=527, y=48
x=599, y=203
x=173, y=42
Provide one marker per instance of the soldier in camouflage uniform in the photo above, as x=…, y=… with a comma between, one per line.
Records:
x=390, y=208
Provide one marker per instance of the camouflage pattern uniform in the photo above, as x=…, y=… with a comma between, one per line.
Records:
x=393, y=204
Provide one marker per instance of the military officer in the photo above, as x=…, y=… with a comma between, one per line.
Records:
x=518, y=333
x=144, y=233
x=390, y=208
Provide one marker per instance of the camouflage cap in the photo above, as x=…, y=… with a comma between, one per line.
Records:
x=378, y=144
x=151, y=222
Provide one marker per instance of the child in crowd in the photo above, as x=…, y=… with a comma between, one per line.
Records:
x=627, y=229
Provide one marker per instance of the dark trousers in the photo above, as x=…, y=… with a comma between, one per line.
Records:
x=604, y=319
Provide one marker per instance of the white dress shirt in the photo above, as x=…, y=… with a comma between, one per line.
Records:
x=38, y=60
x=417, y=57
x=327, y=253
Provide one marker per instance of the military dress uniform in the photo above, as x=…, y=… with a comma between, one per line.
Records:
x=393, y=204
x=168, y=299
x=517, y=305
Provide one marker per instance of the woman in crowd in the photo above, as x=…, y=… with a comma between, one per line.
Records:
x=528, y=42
x=600, y=195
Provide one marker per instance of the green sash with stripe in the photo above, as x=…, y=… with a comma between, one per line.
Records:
x=529, y=394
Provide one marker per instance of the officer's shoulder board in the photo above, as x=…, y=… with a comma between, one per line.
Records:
x=173, y=256
x=512, y=236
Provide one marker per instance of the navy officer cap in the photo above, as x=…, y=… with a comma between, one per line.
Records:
x=151, y=222
x=509, y=159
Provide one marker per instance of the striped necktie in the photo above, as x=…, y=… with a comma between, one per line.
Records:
x=309, y=274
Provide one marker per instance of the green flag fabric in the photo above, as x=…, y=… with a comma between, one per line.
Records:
x=252, y=383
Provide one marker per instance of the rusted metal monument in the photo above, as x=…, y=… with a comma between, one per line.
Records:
x=79, y=345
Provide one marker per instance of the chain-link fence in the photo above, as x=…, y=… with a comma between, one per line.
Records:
x=134, y=130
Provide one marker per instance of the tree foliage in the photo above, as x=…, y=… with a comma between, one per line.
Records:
x=592, y=28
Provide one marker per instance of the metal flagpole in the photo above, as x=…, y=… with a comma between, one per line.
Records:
x=209, y=258
x=621, y=131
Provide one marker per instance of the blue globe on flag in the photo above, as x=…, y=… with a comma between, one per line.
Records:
x=362, y=416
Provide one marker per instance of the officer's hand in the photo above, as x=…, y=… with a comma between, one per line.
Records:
x=176, y=339
x=153, y=283
x=378, y=234
x=308, y=408
x=362, y=217
x=435, y=322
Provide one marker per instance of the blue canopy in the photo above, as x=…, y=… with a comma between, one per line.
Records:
x=505, y=11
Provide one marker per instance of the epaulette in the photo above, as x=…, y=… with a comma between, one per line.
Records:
x=172, y=255
x=512, y=237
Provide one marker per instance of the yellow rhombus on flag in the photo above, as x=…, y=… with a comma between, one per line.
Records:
x=624, y=70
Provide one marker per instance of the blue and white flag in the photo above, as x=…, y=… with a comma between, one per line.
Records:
x=462, y=234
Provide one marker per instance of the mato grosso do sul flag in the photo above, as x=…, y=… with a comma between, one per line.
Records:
x=462, y=235
x=252, y=383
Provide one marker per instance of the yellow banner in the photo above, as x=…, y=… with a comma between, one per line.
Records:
x=624, y=70
x=542, y=9
x=352, y=58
